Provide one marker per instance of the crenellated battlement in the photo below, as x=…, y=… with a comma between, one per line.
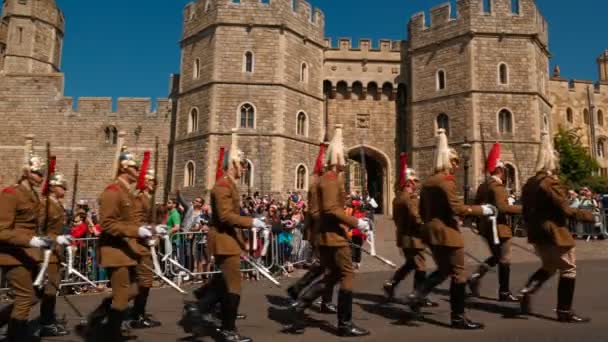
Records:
x=501, y=17
x=345, y=44
x=125, y=106
x=297, y=15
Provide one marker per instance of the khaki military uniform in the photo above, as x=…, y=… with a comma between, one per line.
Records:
x=440, y=208
x=119, y=249
x=409, y=231
x=145, y=276
x=19, y=210
x=546, y=211
x=226, y=242
x=334, y=245
x=494, y=192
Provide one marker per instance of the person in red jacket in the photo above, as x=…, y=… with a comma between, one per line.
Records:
x=357, y=236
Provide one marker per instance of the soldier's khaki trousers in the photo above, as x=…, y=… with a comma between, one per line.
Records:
x=501, y=253
x=230, y=265
x=450, y=263
x=338, y=261
x=52, y=286
x=124, y=288
x=21, y=280
x=145, y=277
x=555, y=258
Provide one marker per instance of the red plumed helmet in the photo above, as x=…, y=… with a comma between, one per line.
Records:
x=219, y=171
x=143, y=170
x=318, y=170
x=494, y=161
x=403, y=170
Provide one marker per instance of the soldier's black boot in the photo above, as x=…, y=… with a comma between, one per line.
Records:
x=112, y=331
x=565, y=295
x=474, y=281
x=534, y=283
x=419, y=278
x=327, y=306
x=346, y=327
x=230, y=307
x=459, y=319
x=307, y=297
x=94, y=320
x=140, y=319
x=294, y=290
x=504, y=276
x=49, y=326
x=417, y=299
x=390, y=285
x=19, y=331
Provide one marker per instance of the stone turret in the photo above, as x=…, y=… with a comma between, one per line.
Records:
x=602, y=62
x=31, y=36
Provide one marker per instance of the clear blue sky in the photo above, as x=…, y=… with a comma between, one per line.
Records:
x=130, y=47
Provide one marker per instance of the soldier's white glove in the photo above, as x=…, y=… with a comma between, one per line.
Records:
x=489, y=210
x=144, y=232
x=64, y=240
x=161, y=229
x=257, y=223
x=38, y=242
x=363, y=225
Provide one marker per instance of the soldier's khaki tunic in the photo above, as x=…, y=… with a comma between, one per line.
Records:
x=409, y=229
x=225, y=238
x=494, y=192
x=145, y=276
x=334, y=245
x=55, y=223
x=119, y=251
x=439, y=209
x=546, y=211
x=19, y=210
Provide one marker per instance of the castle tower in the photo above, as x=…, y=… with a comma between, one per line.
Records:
x=481, y=73
x=31, y=36
x=602, y=63
x=255, y=66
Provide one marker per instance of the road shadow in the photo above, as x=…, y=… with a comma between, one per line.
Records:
x=507, y=312
x=278, y=300
x=285, y=318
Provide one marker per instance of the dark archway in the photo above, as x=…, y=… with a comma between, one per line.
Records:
x=374, y=180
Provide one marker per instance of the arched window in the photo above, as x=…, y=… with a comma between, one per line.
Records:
x=387, y=91
x=357, y=174
x=569, y=115
x=443, y=121
x=111, y=135
x=358, y=90
x=248, y=62
x=301, y=177
x=441, y=81
x=600, y=118
x=189, y=174
x=503, y=74
x=586, y=116
x=302, y=124
x=247, y=176
x=372, y=91
x=327, y=89
x=505, y=122
x=246, y=116
x=304, y=73
x=196, y=69
x=342, y=90
x=193, y=120
x=600, y=148
x=511, y=177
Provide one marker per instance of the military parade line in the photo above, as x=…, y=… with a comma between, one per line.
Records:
x=427, y=214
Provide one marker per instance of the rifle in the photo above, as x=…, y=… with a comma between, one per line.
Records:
x=74, y=192
x=42, y=230
x=153, y=213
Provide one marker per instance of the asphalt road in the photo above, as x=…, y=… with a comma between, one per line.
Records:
x=264, y=304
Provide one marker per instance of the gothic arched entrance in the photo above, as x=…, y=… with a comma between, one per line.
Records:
x=374, y=180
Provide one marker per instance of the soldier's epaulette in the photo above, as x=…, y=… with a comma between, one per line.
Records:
x=450, y=177
x=113, y=188
x=9, y=190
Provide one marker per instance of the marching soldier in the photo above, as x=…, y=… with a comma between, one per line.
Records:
x=409, y=231
x=119, y=249
x=493, y=191
x=334, y=245
x=145, y=276
x=439, y=209
x=546, y=211
x=311, y=231
x=226, y=243
x=57, y=185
